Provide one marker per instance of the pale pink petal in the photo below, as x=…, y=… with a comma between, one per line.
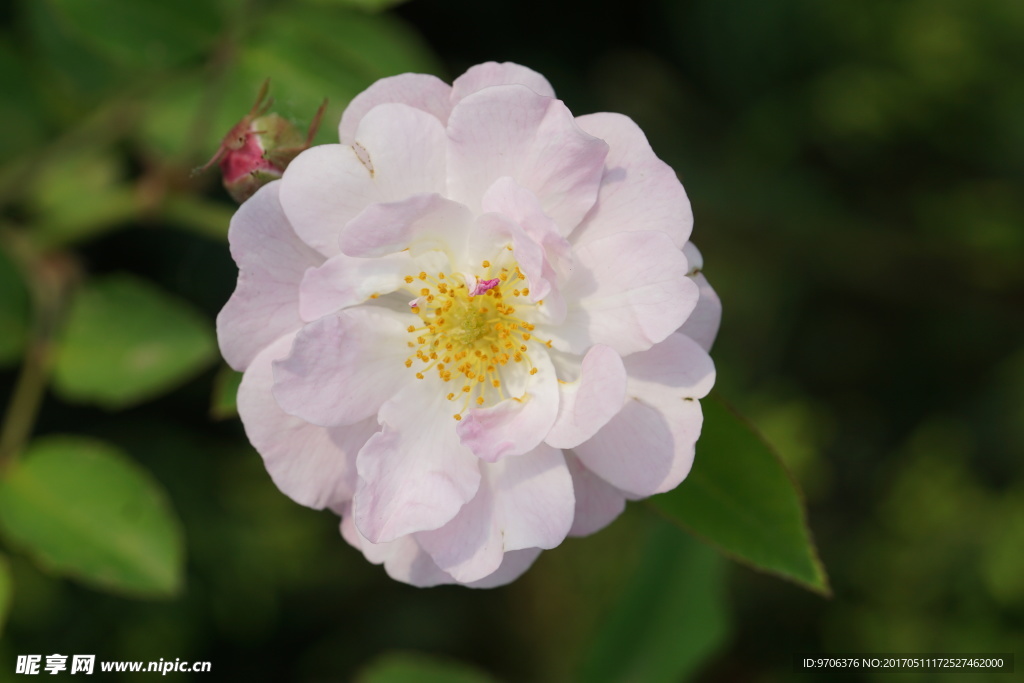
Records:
x=512, y=200
x=418, y=223
x=271, y=261
x=410, y=564
x=513, y=565
x=588, y=403
x=321, y=190
x=509, y=130
x=676, y=368
x=598, y=503
x=534, y=493
x=493, y=73
x=345, y=281
x=398, y=151
x=523, y=502
x=422, y=91
x=636, y=450
x=414, y=475
x=648, y=447
x=403, y=559
x=629, y=291
x=315, y=466
x=517, y=424
x=344, y=366
x=638, y=190
x=495, y=229
x=702, y=325
x=469, y=547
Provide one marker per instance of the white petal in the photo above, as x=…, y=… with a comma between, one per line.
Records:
x=314, y=466
x=702, y=325
x=492, y=73
x=598, y=503
x=638, y=190
x=629, y=291
x=345, y=281
x=509, y=130
x=513, y=565
x=588, y=403
x=422, y=91
x=344, y=366
x=512, y=200
x=519, y=423
x=541, y=278
x=398, y=151
x=648, y=447
x=523, y=502
x=419, y=223
x=403, y=559
x=271, y=261
x=414, y=475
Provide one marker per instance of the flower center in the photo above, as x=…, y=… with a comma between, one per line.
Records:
x=472, y=331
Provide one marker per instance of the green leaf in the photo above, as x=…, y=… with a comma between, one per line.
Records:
x=223, y=403
x=14, y=307
x=410, y=667
x=19, y=107
x=740, y=498
x=669, y=620
x=78, y=196
x=327, y=52
x=81, y=508
x=72, y=70
x=127, y=341
x=139, y=34
x=322, y=51
x=366, y=5
x=6, y=590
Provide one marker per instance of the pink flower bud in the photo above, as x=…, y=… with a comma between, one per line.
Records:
x=258, y=148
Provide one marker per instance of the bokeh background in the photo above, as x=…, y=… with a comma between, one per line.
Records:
x=856, y=169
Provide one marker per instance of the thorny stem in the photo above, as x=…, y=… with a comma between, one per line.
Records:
x=49, y=283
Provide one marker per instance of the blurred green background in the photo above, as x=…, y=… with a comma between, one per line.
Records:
x=856, y=169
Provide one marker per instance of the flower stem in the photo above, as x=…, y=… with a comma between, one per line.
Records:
x=49, y=279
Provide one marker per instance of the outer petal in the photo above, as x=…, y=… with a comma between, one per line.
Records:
x=638, y=190
x=312, y=465
x=629, y=291
x=509, y=130
x=588, y=403
x=424, y=92
x=702, y=325
x=492, y=73
x=414, y=475
x=518, y=424
x=403, y=559
x=344, y=366
x=419, y=223
x=598, y=503
x=271, y=261
x=513, y=565
x=398, y=151
x=648, y=447
x=524, y=502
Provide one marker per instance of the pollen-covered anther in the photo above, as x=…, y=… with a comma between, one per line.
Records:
x=483, y=341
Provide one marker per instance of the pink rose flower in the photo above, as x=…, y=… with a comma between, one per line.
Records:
x=474, y=327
